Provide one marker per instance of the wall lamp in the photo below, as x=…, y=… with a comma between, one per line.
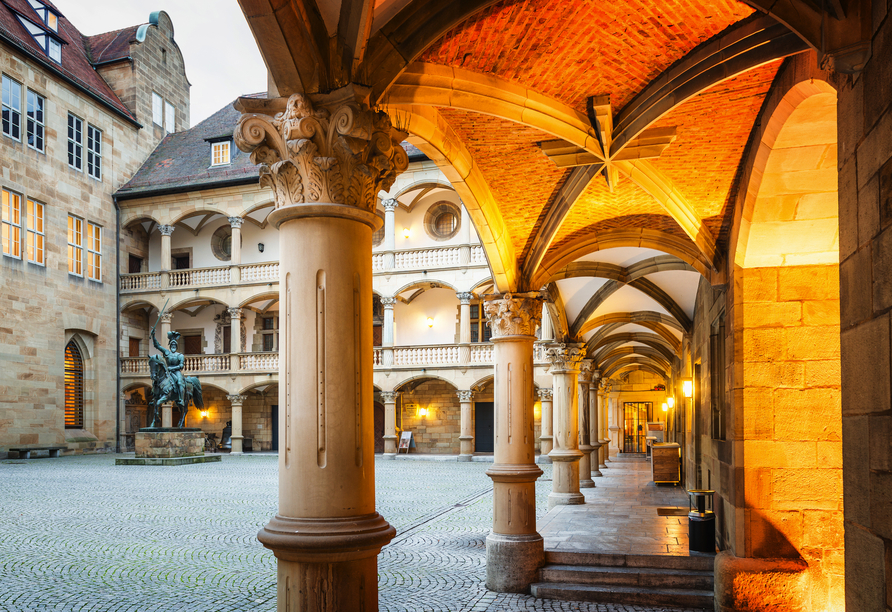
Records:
x=204, y=414
x=260, y=247
x=665, y=407
x=406, y=232
x=670, y=401
x=422, y=412
x=687, y=387
x=430, y=322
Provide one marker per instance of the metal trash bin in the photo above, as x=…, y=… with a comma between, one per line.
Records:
x=701, y=521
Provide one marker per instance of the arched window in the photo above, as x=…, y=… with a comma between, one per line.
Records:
x=74, y=387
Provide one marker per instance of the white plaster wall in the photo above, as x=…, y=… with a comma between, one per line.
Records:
x=414, y=221
x=410, y=327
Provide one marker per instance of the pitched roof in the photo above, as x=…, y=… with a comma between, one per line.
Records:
x=182, y=160
x=76, y=65
x=110, y=46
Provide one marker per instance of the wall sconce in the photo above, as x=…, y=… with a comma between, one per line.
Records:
x=204, y=414
x=537, y=410
x=406, y=232
x=422, y=412
x=665, y=407
x=260, y=247
x=430, y=322
x=670, y=401
x=687, y=387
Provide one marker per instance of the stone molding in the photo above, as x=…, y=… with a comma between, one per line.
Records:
x=565, y=356
x=166, y=230
x=236, y=222
x=236, y=399
x=545, y=393
x=166, y=316
x=388, y=302
x=389, y=397
x=234, y=313
x=336, y=151
x=516, y=314
x=390, y=204
x=465, y=297
x=465, y=396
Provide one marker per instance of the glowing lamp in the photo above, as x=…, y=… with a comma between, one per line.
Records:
x=430, y=322
x=537, y=410
x=422, y=412
x=670, y=401
x=687, y=387
x=204, y=414
x=665, y=407
x=406, y=232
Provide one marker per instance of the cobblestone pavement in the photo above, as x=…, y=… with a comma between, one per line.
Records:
x=81, y=534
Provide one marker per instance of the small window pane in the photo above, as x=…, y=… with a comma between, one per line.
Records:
x=12, y=108
x=35, y=127
x=35, y=233
x=52, y=21
x=220, y=153
x=55, y=51
x=94, y=152
x=75, y=245
x=94, y=252
x=169, y=118
x=157, y=109
x=11, y=215
x=75, y=142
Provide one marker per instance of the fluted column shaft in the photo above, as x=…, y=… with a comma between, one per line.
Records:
x=235, y=337
x=594, y=424
x=585, y=444
x=389, y=232
x=514, y=550
x=545, y=436
x=387, y=333
x=466, y=439
x=390, y=438
x=565, y=455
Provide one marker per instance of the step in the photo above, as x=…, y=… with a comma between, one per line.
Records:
x=696, y=561
x=628, y=576
x=635, y=596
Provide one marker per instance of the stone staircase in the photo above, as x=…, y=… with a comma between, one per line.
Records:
x=679, y=581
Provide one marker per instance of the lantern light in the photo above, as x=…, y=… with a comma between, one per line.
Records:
x=422, y=412
x=406, y=232
x=665, y=407
x=670, y=401
x=204, y=414
x=430, y=322
x=687, y=387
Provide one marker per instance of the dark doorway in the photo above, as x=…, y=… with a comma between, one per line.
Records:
x=484, y=427
x=135, y=265
x=191, y=345
x=227, y=339
x=274, y=417
x=379, y=428
x=180, y=262
x=635, y=418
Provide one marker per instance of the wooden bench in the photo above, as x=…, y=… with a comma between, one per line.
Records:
x=25, y=453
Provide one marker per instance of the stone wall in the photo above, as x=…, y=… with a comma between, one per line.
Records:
x=438, y=432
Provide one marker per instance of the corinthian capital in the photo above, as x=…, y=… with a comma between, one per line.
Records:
x=390, y=204
x=515, y=314
x=586, y=367
x=545, y=393
x=465, y=297
x=388, y=302
x=332, y=151
x=389, y=397
x=565, y=356
x=166, y=230
x=465, y=396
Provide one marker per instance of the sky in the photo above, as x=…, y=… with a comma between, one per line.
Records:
x=222, y=60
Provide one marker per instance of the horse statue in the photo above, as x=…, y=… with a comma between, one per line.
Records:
x=168, y=382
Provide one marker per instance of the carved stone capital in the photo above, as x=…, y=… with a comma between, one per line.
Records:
x=586, y=367
x=515, y=314
x=166, y=316
x=236, y=222
x=166, y=230
x=465, y=298
x=335, y=150
x=566, y=356
x=545, y=393
x=465, y=396
x=388, y=302
x=236, y=399
x=234, y=313
x=390, y=204
x=389, y=397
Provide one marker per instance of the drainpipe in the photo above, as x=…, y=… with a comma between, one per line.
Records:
x=117, y=324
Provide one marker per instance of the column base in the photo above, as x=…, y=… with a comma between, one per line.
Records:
x=596, y=473
x=565, y=499
x=464, y=457
x=513, y=561
x=587, y=484
x=769, y=585
x=390, y=456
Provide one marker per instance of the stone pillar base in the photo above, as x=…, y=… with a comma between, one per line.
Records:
x=585, y=467
x=169, y=442
x=464, y=457
x=565, y=499
x=513, y=561
x=760, y=585
x=236, y=445
x=389, y=456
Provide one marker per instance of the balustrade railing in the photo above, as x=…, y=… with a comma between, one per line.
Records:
x=378, y=356
x=425, y=355
x=477, y=255
x=260, y=272
x=206, y=363
x=258, y=362
x=481, y=353
x=424, y=259
x=141, y=282
x=200, y=277
x=377, y=262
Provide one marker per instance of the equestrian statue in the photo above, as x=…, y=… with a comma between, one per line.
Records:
x=168, y=382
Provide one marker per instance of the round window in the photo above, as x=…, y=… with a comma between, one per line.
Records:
x=221, y=243
x=442, y=220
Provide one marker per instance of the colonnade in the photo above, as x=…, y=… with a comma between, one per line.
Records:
x=235, y=258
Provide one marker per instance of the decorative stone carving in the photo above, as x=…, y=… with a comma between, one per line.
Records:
x=515, y=314
x=236, y=222
x=236, y=399
x=596, y=377
x=390, y=204
x=586, y=367
x=545, y=393
x=234, y=313
x=465, y=298
x=565, y=356
x=388, y=302
x=389, y=397
x=166, y=230
x=465, y=396
x=341, y=152
x=166, y=316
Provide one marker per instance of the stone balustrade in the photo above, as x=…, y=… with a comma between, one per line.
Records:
x=252, y=273
x=200, y=277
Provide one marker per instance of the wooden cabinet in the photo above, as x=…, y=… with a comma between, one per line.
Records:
x=666, y=463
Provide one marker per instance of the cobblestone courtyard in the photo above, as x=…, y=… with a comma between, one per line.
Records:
x=80, y=534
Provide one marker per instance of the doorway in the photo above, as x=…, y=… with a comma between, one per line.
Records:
x=379, y=428
x=274, y=417
x=484, y=427
x=635, y=418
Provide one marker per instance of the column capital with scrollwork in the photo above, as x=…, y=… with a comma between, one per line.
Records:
x=234, y=313
x=166, y=230
x=236, y=222
x=586, y=367
x=513, y=314
x=236, y=399
x=389, y=397
x=465, y=396
x=388, y=302
x=545, y=393
x=565, y=356
x=166, y=316
x=390, y=204
x=465, y=297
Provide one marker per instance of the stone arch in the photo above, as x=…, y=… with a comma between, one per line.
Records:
x=256, y=385
x=422, y=377
x=138, y=216
x=415, y=283
x=199, y=209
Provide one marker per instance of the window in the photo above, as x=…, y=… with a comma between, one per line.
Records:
x=134, y=266
x=220, y=153
x=12, y=224
x=441, y=221
x=269, y=334
x=169, y=118
x=74, y=387
x=157, y=109
x=35, y=128
x=480, y=330
x=94, y=252
x=12, y=108
x=50, y=45
x=46, y=15
x=192, y=345
x=75, y=142
x=181, y=262
x=55, y=51
x=75, y=245
x=94, y=152
x=35, y=235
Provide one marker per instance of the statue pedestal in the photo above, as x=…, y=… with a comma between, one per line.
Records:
x=169, y=446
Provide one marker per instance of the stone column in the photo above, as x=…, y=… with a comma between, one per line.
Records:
x=466, y=401
x=464, y=327
x=604, y=436
x=545, y=437
x=390, y=437
x=236, y=402
x=514, y=550
x=166, y=262
x=594, y=424
x=565, y=455
x=235, y=337
x=547, y=329
x=584, y=417
x=388, y=331
x=165, y=327
x=464, y=237
x=389, y=232
x=326, y=157
x=235, y=259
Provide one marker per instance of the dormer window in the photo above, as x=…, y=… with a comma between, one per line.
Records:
x=46, y=41
x=220, y=153
x=50, y=18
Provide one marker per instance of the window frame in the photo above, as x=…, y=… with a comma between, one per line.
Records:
x=6, y=196
x=157, y=113
x=269, y=332
x=76, y=247
x=31, y=230
x=93, y=251
x=220, y=143
x=76, y=144
x=4, y=105
x=170, y=118
x=34, y=122
x=75, y=376
x=94, y=156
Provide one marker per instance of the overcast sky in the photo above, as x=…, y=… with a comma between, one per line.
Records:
x=222, y=60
